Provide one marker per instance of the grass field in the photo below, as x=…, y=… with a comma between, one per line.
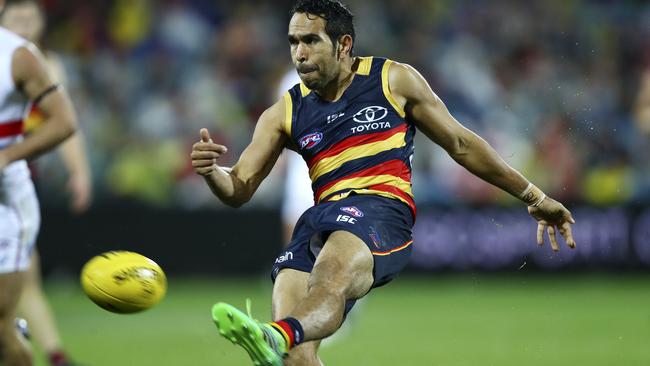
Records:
x=569, y=319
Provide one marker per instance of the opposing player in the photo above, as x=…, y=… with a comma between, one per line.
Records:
x=24, y=80
x=27, y=19
x=352, y=119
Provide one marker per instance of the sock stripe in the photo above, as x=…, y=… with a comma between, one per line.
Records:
x=285, y=330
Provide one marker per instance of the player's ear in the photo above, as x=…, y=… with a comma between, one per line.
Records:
x=344, y=46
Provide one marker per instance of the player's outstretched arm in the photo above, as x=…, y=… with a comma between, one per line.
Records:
x=430, y=115
x=235, y=186
x=31, y=76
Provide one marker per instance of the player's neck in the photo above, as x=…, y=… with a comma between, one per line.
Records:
x=335, y=89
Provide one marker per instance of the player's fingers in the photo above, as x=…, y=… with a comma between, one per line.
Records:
x=199, y=154
x=553, y=237
x=540, y=232
x=205, y=135
x=209, y=146
x=202, y=163
x=567, y=216
x=565, y=231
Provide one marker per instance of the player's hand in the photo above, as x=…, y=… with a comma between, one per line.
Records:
x=553, y=216
x=205, y=154
x=80, y=188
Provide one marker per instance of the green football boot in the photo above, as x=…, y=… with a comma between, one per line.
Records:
x=265, y=346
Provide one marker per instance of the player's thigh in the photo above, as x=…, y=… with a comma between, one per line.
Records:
x=34, y=271
x=11, y=285
x=344, y=263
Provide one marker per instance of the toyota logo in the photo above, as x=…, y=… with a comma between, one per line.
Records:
x=370, y=114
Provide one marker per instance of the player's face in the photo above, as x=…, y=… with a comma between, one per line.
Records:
x=312, y=51
x=24, y=20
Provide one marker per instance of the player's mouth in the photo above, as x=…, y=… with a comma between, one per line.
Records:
x=306, y=69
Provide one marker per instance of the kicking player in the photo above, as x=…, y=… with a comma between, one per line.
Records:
x=352, y=119
x=24, y=80
x=27, y=19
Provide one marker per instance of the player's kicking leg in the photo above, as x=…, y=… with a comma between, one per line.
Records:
x=343, y=271
x=291, y=287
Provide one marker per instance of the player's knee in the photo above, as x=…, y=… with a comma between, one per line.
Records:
x=328, y=276
x=339, y=281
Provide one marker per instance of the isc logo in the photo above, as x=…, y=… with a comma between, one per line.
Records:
x=346, y=218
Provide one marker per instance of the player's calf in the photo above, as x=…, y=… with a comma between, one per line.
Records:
x=305, y=354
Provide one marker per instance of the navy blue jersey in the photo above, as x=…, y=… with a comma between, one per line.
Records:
x=360, y=143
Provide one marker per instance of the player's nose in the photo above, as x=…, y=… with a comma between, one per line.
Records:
x=301, y=53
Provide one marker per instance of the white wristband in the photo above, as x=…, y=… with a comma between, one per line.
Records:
x=532, y=195
x=529, y=188
x=539, y=202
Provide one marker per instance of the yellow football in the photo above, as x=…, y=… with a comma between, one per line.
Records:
x=123, y=282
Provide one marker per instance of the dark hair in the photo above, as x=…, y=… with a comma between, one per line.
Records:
x=337, y=16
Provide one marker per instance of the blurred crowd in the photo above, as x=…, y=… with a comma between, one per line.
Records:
x=552, y=85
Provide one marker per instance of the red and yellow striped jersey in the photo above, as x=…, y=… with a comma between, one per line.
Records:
x=361, y=143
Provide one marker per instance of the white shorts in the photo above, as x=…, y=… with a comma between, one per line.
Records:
x=20, y=218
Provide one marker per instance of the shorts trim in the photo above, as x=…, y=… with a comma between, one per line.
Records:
x=389, y=252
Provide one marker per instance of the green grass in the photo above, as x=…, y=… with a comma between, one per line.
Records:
x=439, y=320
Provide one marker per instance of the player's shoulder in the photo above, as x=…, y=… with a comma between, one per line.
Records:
x=27, y=60
x=404, y=78
x=400, y=69
x=274, y=116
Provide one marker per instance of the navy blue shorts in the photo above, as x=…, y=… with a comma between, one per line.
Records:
x=384, y=224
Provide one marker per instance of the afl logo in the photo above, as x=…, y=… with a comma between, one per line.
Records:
x=352, y=211
x=370, y=114
x=311, y=140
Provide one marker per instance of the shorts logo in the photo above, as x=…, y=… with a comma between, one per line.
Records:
x=352, y=211
x=346, y=218
x=287, y=256
x=370, y=114
x=311, y=140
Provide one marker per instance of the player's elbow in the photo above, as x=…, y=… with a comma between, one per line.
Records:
x=459, y=148
x=239, y=197
x=66, y=125
x=69, y=128
x=234, y=202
